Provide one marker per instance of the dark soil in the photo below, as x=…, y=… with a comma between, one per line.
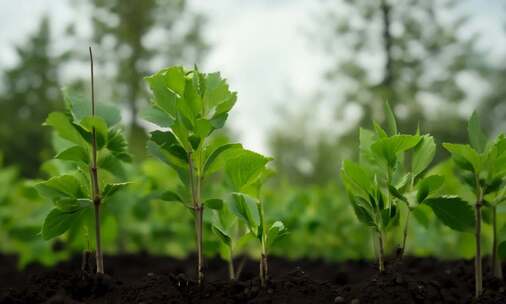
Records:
x=142, y=278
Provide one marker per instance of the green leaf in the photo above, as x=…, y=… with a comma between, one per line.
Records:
x=171, y=196
x=427, y=186
x=72, y=204
x=244, y=169
x=379, y=130
x=390, y=119
x=423, y=154
x=453, y=212
x=241, y=207
x=194, y=141
x=276, y=231
x=465, y=157
x=64, y=128
x=219, y=156
x=75, y=153
x=421, y=214
x=80, y=108
x=117, y=144
x=60, y=187
x=218, y=121
x=361, y=209
x=214, y=203
x=356, y=178
x=58, y=222
x=477, y=138
x=101, y=130
x=224, y=237
x=168, y=86
x=388, y=148
x=110, y=189
x=157, y=116
x=397, y=194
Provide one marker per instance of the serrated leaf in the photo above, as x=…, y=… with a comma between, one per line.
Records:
x=423, y=154
x=477, y=138
x=167, y=85
x=453, y=212
x=101, y=130
x=118, y=146
x=243, y=169
x=80, y=108
x=465, y=157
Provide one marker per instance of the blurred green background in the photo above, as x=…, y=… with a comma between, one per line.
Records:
x=308, y=74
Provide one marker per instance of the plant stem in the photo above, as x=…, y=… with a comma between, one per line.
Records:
x=496, y=262
x=381, y=252
x=97, y=200
x=405, y=234
x=264, y=269
x=231, y=271
x=199, y=210
x=477, y=259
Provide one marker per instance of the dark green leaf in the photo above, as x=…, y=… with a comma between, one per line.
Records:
x=75, y=153
x=428, y=186
x=390, y=119
x=453, y=212
x=58, y=222
x=214, y=203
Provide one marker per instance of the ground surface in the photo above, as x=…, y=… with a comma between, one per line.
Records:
x=148, y=279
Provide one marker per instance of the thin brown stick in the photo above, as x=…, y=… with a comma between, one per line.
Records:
x=97, y=200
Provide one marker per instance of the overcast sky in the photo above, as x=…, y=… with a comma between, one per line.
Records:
x=262, y=47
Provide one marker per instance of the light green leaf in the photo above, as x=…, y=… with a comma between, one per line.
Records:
x=117, y=144
x=421, y=214
x=388, y=148
x=80, y=108
x=101, y=131
x=453, y=212
x=110, y=189
x=477, y=138
x=423, y=154
x=276, y=231
x=465, y=157
x=72, y=204
x=168, y=86
x=65, y=129
x=362, y=210
x=224, y=237
x=60, y=187
x=243, y=169
x=390, y=119
x=219, y=156
x=157, y=116
x=428, y=186
x=356, y=179
x=243, y=209
x=75, y=153
x=171, y=196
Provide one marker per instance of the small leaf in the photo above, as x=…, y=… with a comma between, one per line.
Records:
x=194, y=141
x=362, y=212
x=356, y=178
x=170, y=196
x=224, y=237
x=101, y=130
x=477, y=138
x=243, y=210
x=214, y=203
x=110, y=189
x=397, y=194
x=427, y=186
x=60, y=187
x=157, y=116
x=390, y=119
x=244, y=169
x=218, y=157
x=275, y=232
x=75, y=153
x=80, y=108
x=423, y=154
x=64, y=128
x=465, y=157
x=453, y=212
x=388, y=148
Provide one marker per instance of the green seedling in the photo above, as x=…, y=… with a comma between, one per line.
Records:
x=192, y=105
x=483, y=168
x=92, y=143
x=246, y=173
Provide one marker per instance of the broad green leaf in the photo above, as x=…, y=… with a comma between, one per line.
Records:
x=64, y=128
x=157, y=116
x=423, y=154
x=362, y=211
x=356, y=178
x=244, y=169
x=276, y=231
x=216, y=91
x=453, y=212
x=80, y=108
x=101, y=131
x=203, y=127
x=390, y=119
x=167, y=86
x=72, y=204
x=218, y=157
x=111, y=164
x=388, y=148
x=224, y=237
x=60, y=187
x=110, y=189
x=477, y=138
x=243, y=210
x=465, y=157
x=75, y=153
x=428, y=186
x=171, y=196
x=58, y=222
x=170, y=156
x=214, y=203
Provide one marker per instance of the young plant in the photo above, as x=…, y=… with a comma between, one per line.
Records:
x=92, y=142
x=246, y=173
x=192, y=105
x=482, y=166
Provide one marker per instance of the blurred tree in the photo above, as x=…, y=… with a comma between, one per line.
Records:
x=411, y=53
x=133, y=35
x=30, y=91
